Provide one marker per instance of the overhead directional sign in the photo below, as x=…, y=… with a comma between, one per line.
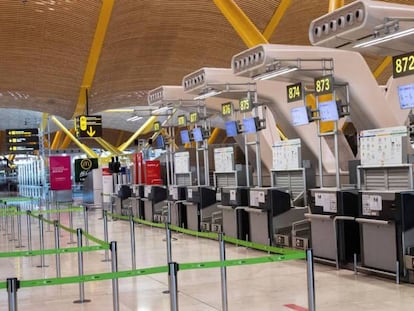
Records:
x=22, y=140
x=88, y=126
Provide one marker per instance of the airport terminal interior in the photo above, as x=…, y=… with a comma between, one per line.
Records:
x=206, y=155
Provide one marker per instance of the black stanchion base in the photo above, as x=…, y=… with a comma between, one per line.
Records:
x=20, y=246
x=40, y=266
x=106, y=260
x=82, y=301
x=167, y=291
x=72, y=242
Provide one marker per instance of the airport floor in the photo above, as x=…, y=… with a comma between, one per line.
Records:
x=266, y=287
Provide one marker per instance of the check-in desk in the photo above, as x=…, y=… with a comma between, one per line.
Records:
x=154, y=197
x=334, y=232
x=268, y=211
x=200, y=204
x=235, y=219
x=386, y=219
x=176, y=196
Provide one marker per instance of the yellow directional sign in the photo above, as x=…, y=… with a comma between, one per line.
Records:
x=88, y=126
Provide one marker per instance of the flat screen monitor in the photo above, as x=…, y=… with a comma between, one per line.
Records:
x=328, y=111
x=299, y=116
x=250, y=125
x=185, y=137
x=231, y=128
x=406, y=96
x=160, y=142
x=197, y=134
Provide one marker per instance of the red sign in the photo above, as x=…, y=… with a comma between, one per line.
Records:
x=153, y=172
x=60, y=173
x=139, y=168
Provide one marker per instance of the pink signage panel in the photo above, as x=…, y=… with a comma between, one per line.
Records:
x=60, y=173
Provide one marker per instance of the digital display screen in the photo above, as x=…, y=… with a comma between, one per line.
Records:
x=156, y=126
x=249, y=125
x=197, y=134
x=185, y=137
x=299, y=116
x=406, y=96
x=231, y=128
x=182, y=120
x=160, y=142
x=226, y=109
x=328, y=111
x=194, y=117
x=245, y=105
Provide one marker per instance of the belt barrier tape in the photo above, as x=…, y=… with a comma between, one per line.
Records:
x=155, y=270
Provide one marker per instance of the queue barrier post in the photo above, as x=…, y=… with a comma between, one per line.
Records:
x=223, y=271
x=12, y=286
x=80, y=268
x=114, y=268
x=310, y=279
x=57, y=246
x=173, y=285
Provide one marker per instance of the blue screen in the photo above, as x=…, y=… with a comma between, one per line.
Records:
x=185, y=138
x=406, y=96
x=249, y=125
x=299, y=116
x=328, y=111
x=231, y=128
x=198, y=136
x=160, y=142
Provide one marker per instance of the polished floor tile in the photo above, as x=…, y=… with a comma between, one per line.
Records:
x=264, y=287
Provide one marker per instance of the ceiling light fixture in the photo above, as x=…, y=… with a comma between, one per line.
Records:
x=388, y=37
x=160, y=110
x=274, y=73
x=134, y=118
x=207, y=94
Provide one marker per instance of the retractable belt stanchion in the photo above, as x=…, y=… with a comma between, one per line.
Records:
x=12, y=287
x=86, y=222
x=223, y=270
x=19, y=228
x=41, y=242
x=114, y=267
x=106, y=238
x=80, y=268
x=172, y=282
x=311, y=280
x=57, y=246
x=132, y=230
x=71, y=241
x=29, y=230
x=12, y=229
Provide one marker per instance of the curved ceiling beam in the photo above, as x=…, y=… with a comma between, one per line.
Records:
x=241, y=23
x=94, y=54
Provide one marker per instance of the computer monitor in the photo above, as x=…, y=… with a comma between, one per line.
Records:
x=197, y=134
x=328, y=111
x=250, y=125
x=232, y=128
x=299, y=116
x=406, y=96
x=160, y=142
x=185, y=137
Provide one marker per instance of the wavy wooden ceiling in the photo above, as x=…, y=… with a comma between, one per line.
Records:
x=45, y=45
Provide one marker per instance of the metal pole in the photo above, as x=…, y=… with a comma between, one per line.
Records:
x=172, y=282
x=12, y=287
x=42, y=242
x=29, y=230
x=223, y=270
x=132, y=230
x=115, y=285
x=355, y=264
x=168, y=239
x=86, y=222
x=71, y=241
x=397, y=272
x=80, y=268
x=311, y=280
x=337, y=175
x=13, y=233
x=106, y=239
x=57, y=246
x=19, y=228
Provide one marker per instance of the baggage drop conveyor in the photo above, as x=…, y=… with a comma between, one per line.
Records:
x=154, y=197
x=200, y=204
x=334, y=232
